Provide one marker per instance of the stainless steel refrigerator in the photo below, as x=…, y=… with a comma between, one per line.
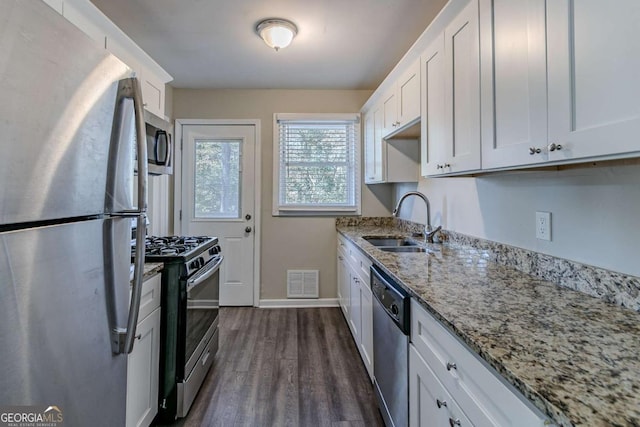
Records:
x=71, y=127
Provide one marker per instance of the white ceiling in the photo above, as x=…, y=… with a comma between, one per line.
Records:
x=341, y=44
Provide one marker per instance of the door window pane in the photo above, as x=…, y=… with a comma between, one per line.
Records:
x=217, y=179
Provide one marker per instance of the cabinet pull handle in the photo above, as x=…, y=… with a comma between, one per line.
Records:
x=451, y=366
x=553, y=147
x=441, y=403
x=453, y=422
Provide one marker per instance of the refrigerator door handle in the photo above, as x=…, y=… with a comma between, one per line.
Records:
x=141, y=140
x=124, y=340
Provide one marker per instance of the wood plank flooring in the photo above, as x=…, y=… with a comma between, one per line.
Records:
x=285, y=367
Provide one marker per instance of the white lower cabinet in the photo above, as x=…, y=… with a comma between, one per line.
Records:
x=429, y=403
x=144, y=361
x=354, y=293
x=442, y=367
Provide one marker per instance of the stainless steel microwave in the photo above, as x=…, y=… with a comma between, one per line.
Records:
x=159, y=145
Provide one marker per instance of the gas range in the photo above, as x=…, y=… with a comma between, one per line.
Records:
x=190, y=301
x=192, y=251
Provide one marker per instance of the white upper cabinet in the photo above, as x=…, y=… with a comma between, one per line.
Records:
x=559, y=81
x=374, y=159
x=401, y=103
x=433, y=128
x=408, y=94
x=450, y=73
x=462, y=98
x=593, y=67
x=514, y=86
x=389, y=112
x=87, y=17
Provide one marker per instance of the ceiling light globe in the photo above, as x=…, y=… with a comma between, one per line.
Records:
x=277, y=33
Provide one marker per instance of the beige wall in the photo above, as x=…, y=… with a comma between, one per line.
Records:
x=287, y=243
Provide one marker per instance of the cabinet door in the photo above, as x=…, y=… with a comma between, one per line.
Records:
x=366, y=327
x=433, y=128
x=514, y=85
x=153, y=92
x=408, y=92
x=373, y=146
x=429, y=403
x=462, y=73
x=389, y=112
x=354, y=308
x=343, y=285
x=594, y=64
x=369, y=148
x=379, y=148
x=143, y=372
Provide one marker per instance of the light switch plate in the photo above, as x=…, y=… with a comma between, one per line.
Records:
x=543, y=225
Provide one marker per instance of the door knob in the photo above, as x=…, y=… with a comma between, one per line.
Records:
x=247, y=217
x=247, y=230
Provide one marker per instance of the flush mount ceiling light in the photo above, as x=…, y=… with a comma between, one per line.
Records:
x=277, y=33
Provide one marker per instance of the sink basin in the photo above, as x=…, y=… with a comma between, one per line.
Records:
x=390, y=241
x=402, y=249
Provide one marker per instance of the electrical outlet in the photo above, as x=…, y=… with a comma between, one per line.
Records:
x=543, y=225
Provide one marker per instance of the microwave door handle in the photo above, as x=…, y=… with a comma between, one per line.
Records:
x=157, y=145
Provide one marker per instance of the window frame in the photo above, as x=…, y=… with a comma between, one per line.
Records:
x=311, y=210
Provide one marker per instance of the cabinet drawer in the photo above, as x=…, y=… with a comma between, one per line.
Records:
x=485, y=396
x=429, y=402
x=150, y=298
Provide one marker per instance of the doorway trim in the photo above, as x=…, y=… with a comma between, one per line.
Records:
x=257, y=193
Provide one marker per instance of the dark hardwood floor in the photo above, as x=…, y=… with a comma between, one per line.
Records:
x=285, y=367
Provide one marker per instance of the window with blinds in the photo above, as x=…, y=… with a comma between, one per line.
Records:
x=316, y=164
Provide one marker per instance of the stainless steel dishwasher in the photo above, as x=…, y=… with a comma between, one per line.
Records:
x=390, y=348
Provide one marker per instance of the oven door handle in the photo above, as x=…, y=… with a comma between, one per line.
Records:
x=203, y=275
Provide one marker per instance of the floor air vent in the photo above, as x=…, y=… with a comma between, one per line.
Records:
x=302, y=283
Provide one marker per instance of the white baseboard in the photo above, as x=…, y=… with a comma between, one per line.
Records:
x=299, y=303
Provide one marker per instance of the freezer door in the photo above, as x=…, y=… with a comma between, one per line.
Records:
x=59, y=93
x=62, y=288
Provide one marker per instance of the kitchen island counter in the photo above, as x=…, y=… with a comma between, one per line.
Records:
x=573, y=356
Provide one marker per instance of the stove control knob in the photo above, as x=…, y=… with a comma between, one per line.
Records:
x=194, y=264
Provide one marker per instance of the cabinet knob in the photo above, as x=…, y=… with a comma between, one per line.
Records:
x=397, y=123
x=534, y=150
x=439, y=166
x=394, y=124
x=446, y=165
x=451, y=366
x=454, y=423
x=247, y=230
x=441, y=403
x=553, y=147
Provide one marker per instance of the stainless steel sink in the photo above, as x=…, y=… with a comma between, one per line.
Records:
x=390, y=241
x=402, y=249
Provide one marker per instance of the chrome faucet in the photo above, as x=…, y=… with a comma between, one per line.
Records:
x=428, y=232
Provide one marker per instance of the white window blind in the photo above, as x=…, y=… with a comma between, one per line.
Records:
x=317, y=164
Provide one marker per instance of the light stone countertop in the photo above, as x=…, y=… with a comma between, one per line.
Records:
x=576, y=357
x=150, y=270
